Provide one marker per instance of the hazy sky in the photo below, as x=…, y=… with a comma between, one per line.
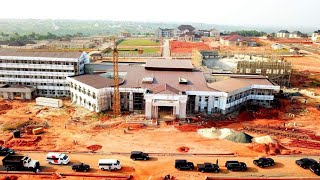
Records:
x=228, y=12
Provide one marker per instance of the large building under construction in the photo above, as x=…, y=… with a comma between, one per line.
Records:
x=30, y=73
x=163, y=88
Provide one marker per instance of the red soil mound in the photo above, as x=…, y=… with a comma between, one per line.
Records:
x=183, y=149
x=9, y=178
x=187, y=47
x=94, y=147
x=271, y=149
x=188, y=127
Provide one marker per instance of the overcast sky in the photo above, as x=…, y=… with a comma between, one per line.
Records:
x=227, y=12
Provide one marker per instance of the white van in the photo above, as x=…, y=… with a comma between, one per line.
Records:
x=109, y=164
x=57, y=158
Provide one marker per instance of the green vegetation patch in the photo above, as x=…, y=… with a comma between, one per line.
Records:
x=139, y=42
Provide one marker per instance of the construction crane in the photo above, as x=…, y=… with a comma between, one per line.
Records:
x=116, y=93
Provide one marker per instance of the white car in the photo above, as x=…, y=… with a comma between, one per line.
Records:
x=109, y=164
x=57, y=158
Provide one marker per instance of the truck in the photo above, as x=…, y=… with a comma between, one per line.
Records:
x=182, y=164
x=208, y=167
x=264, y=162
x=236, y=166
x=20, y=163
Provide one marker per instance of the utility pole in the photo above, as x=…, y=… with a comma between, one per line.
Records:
x=116, y=93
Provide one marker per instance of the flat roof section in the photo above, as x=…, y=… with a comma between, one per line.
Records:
x=24, y=53
x=169, y=65
x=233, y=84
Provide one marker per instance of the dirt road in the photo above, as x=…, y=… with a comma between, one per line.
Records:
x=159, y=166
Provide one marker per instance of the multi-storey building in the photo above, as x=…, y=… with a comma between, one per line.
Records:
x=44, y=72
x=164, y=33
x=168, y=87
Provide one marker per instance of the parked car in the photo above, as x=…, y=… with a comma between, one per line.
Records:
x=138, y=155
x=208, y=167
x=183, y=164
x=80, y=167
x=315, y=168
x=264, y=162
x=236, y=166
x=109, y=164
x=5, y=151
x=305, y=162
x=57, y=158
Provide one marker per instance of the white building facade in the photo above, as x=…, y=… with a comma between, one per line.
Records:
x=44, y=71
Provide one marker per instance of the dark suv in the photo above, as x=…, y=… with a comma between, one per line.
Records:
x=138, y=155
x=236, y=166
x=5, y=151
x=80, y=167
x=305, y=162
x=183, y=164
x=315, y=168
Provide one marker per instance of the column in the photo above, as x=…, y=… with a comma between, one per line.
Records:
x=183, y=108
x=148, y=109
x=196, y=104
x=210, y=104
x=5, y=95
x=131, y=102
x=202, y=103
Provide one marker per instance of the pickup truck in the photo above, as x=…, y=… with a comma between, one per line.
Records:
x=236, y=166
x=208, y=167
x=19, y=163
x=183, y=164
x=264, y=162
x=80, y=167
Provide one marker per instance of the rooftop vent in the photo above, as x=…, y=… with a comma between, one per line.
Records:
x=183, y=81
x=148, y=80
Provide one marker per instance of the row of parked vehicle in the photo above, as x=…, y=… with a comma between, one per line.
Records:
x=305, y=163
x=18, y=162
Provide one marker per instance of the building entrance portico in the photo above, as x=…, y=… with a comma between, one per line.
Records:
x=165, y=106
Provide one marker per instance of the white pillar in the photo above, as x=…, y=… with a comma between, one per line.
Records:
x=210, y=104
x=183, y=108
x=131, y=102
x=148, y=109
x=196, y=104
x=202, y=103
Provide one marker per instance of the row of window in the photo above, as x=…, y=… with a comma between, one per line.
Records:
x=247, y=93
x=38, y=62
x=31, y=76
x=266, y=71
x=83, y=90
x=31, y=69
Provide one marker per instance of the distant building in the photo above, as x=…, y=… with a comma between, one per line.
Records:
x=215, y=34
x=189, y=37
x=164, y=33
x=295, y=34
x=95, y=55
x=183, y=29
x=283, y=34
x=316, y=36
x=237, y=40
x=125, y=34
x=186, y=33
x=73, y=44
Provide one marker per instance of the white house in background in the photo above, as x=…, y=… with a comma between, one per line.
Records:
x=283, y=34
x=295, y=34
x=164, y=33
x=184, y=29
x=168, y=87
x=316, y=36
x=215, y=33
